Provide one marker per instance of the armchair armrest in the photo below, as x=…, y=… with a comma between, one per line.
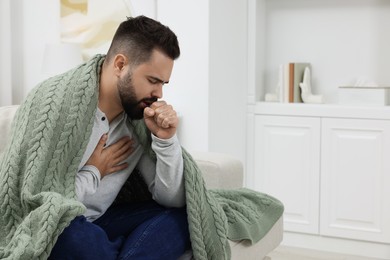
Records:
x=6, y=115
x=220, y=171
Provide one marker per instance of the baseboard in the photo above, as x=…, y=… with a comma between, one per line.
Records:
x=337, y=245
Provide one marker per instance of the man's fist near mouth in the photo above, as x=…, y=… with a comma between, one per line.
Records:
x=161, y=119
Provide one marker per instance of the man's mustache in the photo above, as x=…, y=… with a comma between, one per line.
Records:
x=149, y=101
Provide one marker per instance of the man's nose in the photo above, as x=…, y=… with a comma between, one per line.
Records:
x=157, y=91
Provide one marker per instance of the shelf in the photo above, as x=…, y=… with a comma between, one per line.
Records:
x=322, y=110
x=344, y=40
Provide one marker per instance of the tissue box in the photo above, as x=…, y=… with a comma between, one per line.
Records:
x=359, y=95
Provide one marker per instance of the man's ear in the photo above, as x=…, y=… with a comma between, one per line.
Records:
x=120, y=61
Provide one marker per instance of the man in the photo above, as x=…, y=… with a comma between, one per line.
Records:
x=138, y=64
x=76, y=140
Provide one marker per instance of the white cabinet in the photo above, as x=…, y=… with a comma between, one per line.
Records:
x=355, y=179
x=330, y=166
x=287, y=166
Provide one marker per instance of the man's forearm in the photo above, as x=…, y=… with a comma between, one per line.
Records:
x=165, y=178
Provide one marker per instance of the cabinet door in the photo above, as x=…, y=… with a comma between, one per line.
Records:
x=355, y=179
x=287, y=167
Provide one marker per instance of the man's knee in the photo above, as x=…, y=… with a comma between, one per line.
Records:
x=84, y=240
x=178, y=217
x=165, y=236
x=175, y=225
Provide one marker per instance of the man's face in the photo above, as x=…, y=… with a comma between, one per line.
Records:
x=142, y=85
x=133, y=107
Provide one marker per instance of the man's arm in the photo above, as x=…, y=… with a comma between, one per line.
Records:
x=165, y=180
x=165, y=177
x=103, y=161
x=87, y=181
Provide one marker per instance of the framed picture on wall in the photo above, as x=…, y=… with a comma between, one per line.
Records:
x=92, y=23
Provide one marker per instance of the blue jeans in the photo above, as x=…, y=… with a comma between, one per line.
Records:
x=127, y=231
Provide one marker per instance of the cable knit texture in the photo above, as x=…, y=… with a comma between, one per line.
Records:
x=50, y=132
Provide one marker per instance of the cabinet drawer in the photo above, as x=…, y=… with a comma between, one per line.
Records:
x=355, y=179
x=287, y=167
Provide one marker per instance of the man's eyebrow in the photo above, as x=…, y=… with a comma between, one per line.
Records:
x=159, y=80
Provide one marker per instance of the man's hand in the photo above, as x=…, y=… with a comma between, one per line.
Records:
x=161, y=119
x=107, y=160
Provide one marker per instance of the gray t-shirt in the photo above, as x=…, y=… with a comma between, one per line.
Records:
x=164, y=178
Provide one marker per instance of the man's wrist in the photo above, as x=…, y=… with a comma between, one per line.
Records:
x=165, y=142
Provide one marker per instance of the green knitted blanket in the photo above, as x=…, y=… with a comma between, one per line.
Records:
x=50, y=133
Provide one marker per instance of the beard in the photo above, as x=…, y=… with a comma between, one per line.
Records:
x=133, y=108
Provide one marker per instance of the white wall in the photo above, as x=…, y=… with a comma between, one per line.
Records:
x=228, y=77
x=208, y=83
x=5, y=53
x=31, y=24
x=40, y=25
x=17, y=68
x=143, y=7
x=188, y=89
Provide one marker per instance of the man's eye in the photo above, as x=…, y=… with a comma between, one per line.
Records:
x=153, y=81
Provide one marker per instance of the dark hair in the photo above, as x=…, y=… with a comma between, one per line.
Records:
x=138, y=36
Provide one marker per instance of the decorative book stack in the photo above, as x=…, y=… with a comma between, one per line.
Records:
x=289, y=89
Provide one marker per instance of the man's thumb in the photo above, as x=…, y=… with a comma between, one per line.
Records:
x=148, y=112
x=102, y=141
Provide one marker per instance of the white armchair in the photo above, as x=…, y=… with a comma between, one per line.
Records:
x=223, y=171
x=219, y=171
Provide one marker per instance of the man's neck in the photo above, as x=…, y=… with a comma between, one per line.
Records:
x=110, y=113
x=109, y=102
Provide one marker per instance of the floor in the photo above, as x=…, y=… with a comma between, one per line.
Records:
x=290, y=253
